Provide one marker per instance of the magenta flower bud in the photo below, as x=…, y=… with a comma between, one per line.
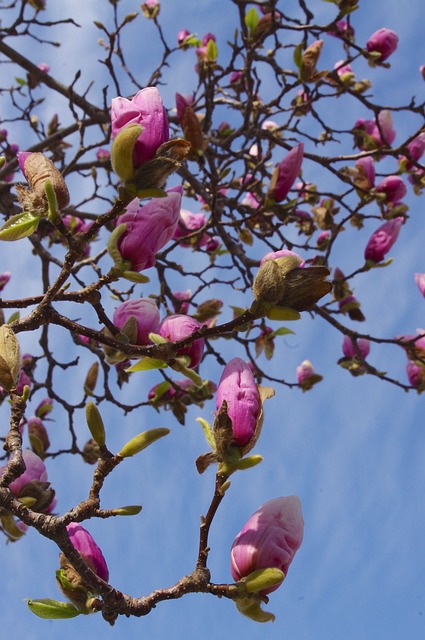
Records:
x=182, y=101
x=415, y=374
x=183, y=301
x=146, y=314
x=366, y=166
x=420, y=281
x=179, y=326
x=269, y=539
x=149, y=228
x=393, y=188
x=86, y=546
x=238, y=388
x=207, y=37
x=348, y=348
x=383, y=41
x=381, y=240
x=22, y=156
x=103, y=154
x=343, y=29
x=4, y=279
x=371, y=128
x=182, y=35
x=416, y=150
x=323, y=238
x=286, y=173
x=147, y=110
x=342, y=69
x=44, y=67
x=23, y=381
x=35, y=470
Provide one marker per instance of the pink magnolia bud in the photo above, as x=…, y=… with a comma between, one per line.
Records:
x=149, y=228
x=304, y=372
x=146, y=314
x=182, y=35
x=188, y=223
x=286, y=173
x=415, y=374
x=183, y=301
x=35, y=470
x=366, y=167
x=383, y=41
x=269, y=539
x=282, y=253
x=86, y=546
x=393, y=188
x=179, y=326
x=103, y=154
x=348, y=348
x=381, y=131
x=381, y=240
x=147, y=110
x=44, y=408
x=343, y=29
x=238, y=388
x=416, y=150
x=420, y=281
x=4, y=279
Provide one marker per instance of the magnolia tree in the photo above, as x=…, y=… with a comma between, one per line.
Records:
x=176, y=242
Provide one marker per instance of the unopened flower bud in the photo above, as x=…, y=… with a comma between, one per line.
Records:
x=37, y=170
x=10, y=359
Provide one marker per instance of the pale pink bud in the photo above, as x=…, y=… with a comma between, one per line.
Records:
x=304, y=372
x=348, y=347
x=149, y=228
x=368, y=167
x=286, y=173
x=103, y=154
x=383, y=41
x=147, y=110
x=420, y=281
x=183, y=298
x=86, y=546
x=182, y=35
x=282, y=253
x=415, y=374
x=177, y=327
x=383, y=239
x=269, y=539
x=187, y=224
x=238, y=388
x=146, y=314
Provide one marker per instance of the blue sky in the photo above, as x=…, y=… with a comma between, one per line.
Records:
x=351, y=449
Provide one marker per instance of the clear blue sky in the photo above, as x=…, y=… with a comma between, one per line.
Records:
x=351, y=449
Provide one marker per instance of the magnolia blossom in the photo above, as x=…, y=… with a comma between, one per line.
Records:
x=146, y=314
x=304, y=372
x=179, y=326
x=381, y=130
x=286, y=173
x=383, y=41
x=383, y=239
x=4, y=279
x=348, y=347
x=147, y=110
x=149, y=228
x=86, y=546
x=393, y=188
x=269, y=539
x=35, y=470
x=238, y=388
x=366, y=168
x=415, y=374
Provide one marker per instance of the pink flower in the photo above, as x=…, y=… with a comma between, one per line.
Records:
x=366, y=167
x=304, y=372
x=415, y=374
x=183, y=301
x=35, y=470
x=282, y=253
x=86, y=546
x=420, y=281
x=416, y=150
x=146, y=314
x=4, y=279
x=348, y=348
x=238, y=388
x=381, y=130
x=181, y=36
x=147, y=110
x=383, y=239
x=269, y=539
x=149, y=228
x=103, y=154
x=177, y=327
x=393, y=188
x=188, y=223
x=286, y=173
x=383, y=41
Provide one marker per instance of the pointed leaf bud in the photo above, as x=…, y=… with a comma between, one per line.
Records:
x=52, y=609
x=10, y=359
x=95, y=424
x=142, y=441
